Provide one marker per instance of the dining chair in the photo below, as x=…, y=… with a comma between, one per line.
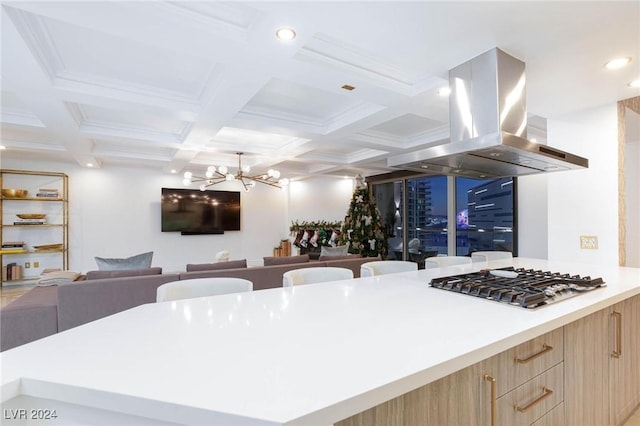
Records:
x=315, y=275
x=442, y=261
x=485, y=256
x=201, y=287
x=381, y=267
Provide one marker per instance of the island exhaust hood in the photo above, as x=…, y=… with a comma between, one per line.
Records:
x=488, y=126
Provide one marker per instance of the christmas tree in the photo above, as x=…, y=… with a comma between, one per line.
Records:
x=362, y=228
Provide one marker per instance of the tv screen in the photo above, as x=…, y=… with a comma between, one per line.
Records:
x=192, y=211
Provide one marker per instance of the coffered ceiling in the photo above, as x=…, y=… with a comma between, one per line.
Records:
x=181, y=85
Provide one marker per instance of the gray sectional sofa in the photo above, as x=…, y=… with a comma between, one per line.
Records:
x=44, y=311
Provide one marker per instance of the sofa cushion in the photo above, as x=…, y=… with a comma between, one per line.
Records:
x=285, y=260
x=139, y=261
x=231, y=264
x=96, y=275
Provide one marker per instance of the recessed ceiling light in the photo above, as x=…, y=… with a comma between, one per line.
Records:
x=617, y=63
x=444, y=91
x=285, y=33
x=2, y=147
x=635, y=83
x=89, y=164
x=174, y=171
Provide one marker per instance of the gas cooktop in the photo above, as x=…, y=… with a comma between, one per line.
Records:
x=522, y=287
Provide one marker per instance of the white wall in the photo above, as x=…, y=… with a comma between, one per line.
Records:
x=115, y=212
x=320, y=199
x=585, y=202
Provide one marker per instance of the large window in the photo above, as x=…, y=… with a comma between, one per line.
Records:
x=418, y=214
x=484, y=215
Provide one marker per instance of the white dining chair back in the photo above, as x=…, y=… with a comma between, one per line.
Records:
x=442, y=261
x=485, y=256
x=381, y=267
x=315, y=275
x=201, y=287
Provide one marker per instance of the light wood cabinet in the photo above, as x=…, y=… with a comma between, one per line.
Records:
x=519, y=377
x=586, y=367
x=586, y=373
x=602, y=368
x=624, y=360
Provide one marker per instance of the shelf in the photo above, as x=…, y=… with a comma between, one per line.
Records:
x=35, y=252
x=35, y=226
x=56, y=208
x=32, y=199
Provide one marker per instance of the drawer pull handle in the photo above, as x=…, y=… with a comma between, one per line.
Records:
x=545, y=348
x=617, y=352
x=494, y=398
x=545, y=393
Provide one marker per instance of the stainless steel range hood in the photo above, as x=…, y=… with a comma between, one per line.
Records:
x=488, y=121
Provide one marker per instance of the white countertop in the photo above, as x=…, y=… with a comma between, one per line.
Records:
x=309, y=355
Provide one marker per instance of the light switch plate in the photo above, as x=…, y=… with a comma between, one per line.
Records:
x=589, y=242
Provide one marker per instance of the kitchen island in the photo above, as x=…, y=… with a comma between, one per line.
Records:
x=308, y=355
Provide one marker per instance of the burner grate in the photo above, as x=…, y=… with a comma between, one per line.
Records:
x=527, y=288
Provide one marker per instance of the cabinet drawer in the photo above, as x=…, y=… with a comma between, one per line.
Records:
x=515, y=366
x=532, y=400
x=554, y=417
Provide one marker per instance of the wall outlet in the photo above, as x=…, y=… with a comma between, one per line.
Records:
x=27, y=265
x=36, y=264
x=589, y=242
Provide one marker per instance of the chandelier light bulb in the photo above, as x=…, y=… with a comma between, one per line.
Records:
x=251, y=184
x=203, y=187
x=188, y=175
x=284, y=182
x=246, y=169
x=270, y=172
x=276, y=174
x=230, y=177
x=223, y=170
x=211, y=171
x=186, y=182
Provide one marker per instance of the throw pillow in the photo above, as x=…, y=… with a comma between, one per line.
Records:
x=231, y=264
x=57, y=277
x=334, y=251
x=96, y=275
x=140, y=261
x=285, y=260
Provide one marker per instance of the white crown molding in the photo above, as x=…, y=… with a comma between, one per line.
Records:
x=20, y=118
x=32, y=146
x=34, y=31
x=115, y=88
x=124, y=131
x=232, y=20
x=307, y=124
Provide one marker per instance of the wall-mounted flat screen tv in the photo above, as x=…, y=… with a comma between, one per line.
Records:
x=192, y=211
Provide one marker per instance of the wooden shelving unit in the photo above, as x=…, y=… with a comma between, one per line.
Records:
x=46, y=245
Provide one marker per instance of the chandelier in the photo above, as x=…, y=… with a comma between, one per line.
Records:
x=222, y=174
